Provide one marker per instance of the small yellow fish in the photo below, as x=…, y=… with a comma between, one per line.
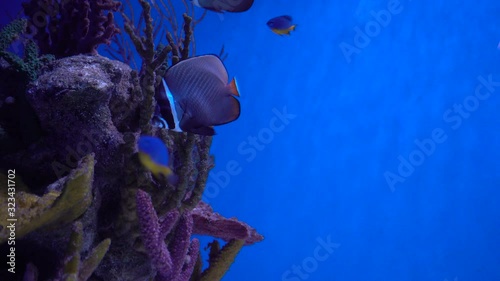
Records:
x=281, y=25
x=153, y=155
x=155, y=168
x=283, y=31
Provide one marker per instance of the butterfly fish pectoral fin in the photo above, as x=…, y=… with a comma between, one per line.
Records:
x=204, y=131
x=159, y=122
x=189, y=124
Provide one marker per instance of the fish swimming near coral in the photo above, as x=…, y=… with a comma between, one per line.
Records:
x=281, y=25
x=234, y=6
x=195, y=95
x=153, y=155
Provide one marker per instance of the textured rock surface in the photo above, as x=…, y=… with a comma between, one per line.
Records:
x=90, y=107
x=81, y=103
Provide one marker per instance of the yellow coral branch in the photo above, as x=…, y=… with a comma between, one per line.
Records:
x=221, y=261
x=65, y=200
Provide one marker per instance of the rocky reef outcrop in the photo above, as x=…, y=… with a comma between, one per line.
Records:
x=81, y=204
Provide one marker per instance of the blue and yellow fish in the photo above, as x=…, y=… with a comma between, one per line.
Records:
x=281, y=25
x=153, y=155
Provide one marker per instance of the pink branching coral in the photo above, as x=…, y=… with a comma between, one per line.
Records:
x=206, y=222
x=176, y=261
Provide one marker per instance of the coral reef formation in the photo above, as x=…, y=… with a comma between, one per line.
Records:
x=85, y=207
x=220, y=259
x=19, y=119
x=31, y=63
x=65, y=28
x=73, y=267
x=64, y=201
x=173, y=262
x=206, y=222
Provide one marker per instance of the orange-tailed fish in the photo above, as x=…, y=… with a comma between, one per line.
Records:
x=195, y=95
x=281, y=25
x=234, y=6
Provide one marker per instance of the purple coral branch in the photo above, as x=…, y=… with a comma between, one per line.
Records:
x=207, y=222
x=150, y=231
x=179, y=247
x=167, y=223
x=176, y=261
x=99, y=28
x=191, y=258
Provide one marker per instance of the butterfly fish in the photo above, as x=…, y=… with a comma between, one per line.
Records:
x=234, y=6
x=194, y=95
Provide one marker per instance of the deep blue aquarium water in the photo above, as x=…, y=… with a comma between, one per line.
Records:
x=368, y=142
x=323, y=175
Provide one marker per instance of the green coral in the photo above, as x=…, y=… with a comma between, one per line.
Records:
x=76, y=269
x=193, y=173
x=72, y=257
x=20, y=72
x=204, y=164
x=30, y=65
x=151, y=62
x=181, y=53
x=219, y=260
x=11, y=32
x=66, y=200
x=94, y=259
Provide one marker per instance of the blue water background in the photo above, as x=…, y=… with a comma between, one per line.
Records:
x=322, y=175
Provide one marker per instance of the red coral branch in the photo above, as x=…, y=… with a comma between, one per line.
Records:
x=70, y=27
